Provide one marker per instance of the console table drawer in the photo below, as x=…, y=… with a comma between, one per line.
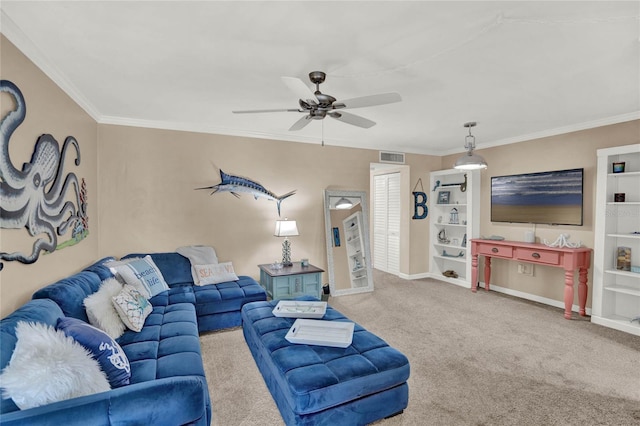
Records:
x=494, y=250
x=538, y=256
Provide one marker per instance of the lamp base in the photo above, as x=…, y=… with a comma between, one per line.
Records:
x=286, y=253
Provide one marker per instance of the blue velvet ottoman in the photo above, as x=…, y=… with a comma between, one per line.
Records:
x=321, y=385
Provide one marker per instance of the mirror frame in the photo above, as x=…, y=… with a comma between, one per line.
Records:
x=328, y=194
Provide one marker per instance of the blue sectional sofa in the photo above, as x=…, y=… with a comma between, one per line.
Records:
x=168, y=384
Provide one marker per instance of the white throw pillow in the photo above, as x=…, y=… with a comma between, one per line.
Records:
x=132, y=307
x=142, y=274
x=46, y=366
x=198, y=255
x=100, y=310
x=213, y=274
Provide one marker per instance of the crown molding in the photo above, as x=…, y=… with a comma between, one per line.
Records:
x=29, y=49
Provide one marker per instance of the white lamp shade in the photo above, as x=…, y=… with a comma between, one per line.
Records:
x=286, y=228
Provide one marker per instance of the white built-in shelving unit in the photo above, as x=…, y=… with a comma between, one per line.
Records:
x=616, y=292
x=453, y=222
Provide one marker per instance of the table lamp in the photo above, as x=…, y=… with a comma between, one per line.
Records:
x=286, y=228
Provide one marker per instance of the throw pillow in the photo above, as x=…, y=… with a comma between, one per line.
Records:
x=132, y=307
x=46, y=366
x=198, y=255
x=213, y=274
x=142, y=274
x=104, y=349
x=100, y=309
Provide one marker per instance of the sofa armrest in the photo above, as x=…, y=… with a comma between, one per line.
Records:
x=170, y=401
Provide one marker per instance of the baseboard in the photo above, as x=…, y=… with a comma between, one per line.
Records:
x=532, y=297
x=496, y=288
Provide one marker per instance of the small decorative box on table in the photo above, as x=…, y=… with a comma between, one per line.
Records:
x=291, y=281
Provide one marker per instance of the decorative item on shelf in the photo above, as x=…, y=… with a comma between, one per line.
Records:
x=635, y=269
x=619, y=197
x=442, y=237
x=464, y=240
x=623, y=258
x=443, y=197
x=618, y=167
x=470, y=161
x=562, y=241
x=445, y=254
x=450, y=273
x=286, y=228
x=304, y=263
x=453, y=217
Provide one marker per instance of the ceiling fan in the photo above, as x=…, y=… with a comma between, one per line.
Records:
x=326, y=105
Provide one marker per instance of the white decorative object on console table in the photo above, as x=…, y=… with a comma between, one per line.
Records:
x=454, y=218
x=616, y=292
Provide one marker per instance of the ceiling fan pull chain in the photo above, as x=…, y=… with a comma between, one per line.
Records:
x=322, y=124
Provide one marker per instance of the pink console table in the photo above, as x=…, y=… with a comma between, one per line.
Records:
x=569, y=259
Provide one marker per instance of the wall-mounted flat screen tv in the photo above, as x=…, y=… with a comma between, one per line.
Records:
x=554, y=198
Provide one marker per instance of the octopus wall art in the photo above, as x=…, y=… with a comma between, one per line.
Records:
x=40, y=197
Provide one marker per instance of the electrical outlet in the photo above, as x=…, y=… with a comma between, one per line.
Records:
x=525, y=269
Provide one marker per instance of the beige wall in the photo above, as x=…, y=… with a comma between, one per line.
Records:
x=571, y=150
x=49, y=110
x=143, y=182
x=147, y=181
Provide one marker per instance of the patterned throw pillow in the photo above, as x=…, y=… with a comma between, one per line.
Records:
x=104, y=349
x=213, y=274
x=142, y=274
x=132, y=307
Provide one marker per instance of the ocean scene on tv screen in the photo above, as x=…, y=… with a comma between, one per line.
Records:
x=549, y=197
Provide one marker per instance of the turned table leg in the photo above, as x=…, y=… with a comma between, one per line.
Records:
x=474, y=272
x=568, y=293
x=487, y=272
x=582, y=290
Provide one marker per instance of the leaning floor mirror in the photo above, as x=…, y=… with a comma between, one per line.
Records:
x=346, y=219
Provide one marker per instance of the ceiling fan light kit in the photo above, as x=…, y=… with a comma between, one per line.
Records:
x=317, y=105
x=470, y=161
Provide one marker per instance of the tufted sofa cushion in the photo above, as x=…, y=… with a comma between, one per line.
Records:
x=167, y=346
x=309, y=379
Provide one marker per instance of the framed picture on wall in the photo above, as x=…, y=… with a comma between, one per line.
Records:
x=443, y=197
x=336, y=237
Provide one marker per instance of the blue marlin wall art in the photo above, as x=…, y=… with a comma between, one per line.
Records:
x=238, y=184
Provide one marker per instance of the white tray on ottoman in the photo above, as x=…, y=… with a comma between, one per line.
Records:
x=336, y=334
x=300, y=309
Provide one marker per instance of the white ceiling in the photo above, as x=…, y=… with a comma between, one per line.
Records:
x=520, y=69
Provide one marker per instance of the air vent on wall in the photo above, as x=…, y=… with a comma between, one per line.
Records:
x=391, y=157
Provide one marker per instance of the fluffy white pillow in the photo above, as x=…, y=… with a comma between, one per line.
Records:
x=132, y=307
x=46, y=366
x=100, y=310
x=198, y=255
x=213, y=274
x=142, y=274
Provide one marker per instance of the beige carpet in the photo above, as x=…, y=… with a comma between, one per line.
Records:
x=476, y=359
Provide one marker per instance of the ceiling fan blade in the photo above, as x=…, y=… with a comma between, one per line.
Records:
x=303, y=121
x=371, y=100
x=251, y=111
x=298, y=87
x=353, y=119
